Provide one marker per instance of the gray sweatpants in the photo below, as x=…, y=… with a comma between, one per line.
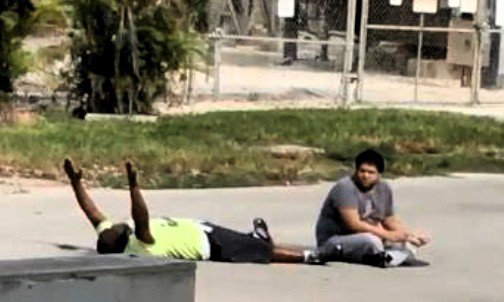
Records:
x=355, y=247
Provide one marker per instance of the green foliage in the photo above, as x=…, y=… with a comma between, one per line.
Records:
x=122, y=50
x=226, y=149
x=15, y=21
x=18, y=18
x=49, y=16
x=197, y=14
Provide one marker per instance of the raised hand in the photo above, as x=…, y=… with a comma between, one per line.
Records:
x=415, y=241
x=74, y=176
x=419, y=238
x=132, y=174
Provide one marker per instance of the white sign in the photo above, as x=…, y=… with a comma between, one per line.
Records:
x=395, y=2
x=286, y=8
x=454, y=3
x=469, y=6
x=425, y=6
x=499, y=14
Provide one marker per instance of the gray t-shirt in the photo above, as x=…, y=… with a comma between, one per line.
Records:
x=373, y=206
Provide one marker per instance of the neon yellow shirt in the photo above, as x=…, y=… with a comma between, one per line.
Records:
x=174, y=238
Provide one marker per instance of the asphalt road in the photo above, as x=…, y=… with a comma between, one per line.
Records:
x=463, y=213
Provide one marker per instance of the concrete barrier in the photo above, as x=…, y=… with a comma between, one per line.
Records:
x=97, y=279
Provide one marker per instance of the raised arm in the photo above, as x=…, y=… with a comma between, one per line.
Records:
x=85, y=202
x=139, y=210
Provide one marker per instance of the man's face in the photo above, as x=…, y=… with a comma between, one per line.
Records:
x=367, y=175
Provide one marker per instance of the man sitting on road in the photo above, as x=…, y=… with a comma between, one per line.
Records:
x=181, y=238
x=358, y=219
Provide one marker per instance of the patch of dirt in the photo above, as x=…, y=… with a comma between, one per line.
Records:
x=292, y=151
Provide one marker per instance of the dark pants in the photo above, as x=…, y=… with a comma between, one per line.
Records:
x=227, y=245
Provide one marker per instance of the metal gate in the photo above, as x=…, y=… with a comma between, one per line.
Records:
x=363, y=51
x=256, y=55
x=440, y=54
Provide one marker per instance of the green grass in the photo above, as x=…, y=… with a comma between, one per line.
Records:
x=222, y=149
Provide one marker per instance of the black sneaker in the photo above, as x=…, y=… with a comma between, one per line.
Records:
x=261, y=230
x=378, y=260
x=398, y=257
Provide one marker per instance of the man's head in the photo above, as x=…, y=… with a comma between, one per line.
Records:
x=369, y=165
x=114, y=239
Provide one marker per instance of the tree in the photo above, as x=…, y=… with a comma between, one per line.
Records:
x=15, y=21
x=197, y=11
x=50, y=16
x=122, y=50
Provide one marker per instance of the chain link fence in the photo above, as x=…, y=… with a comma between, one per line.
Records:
x=328, y=52
x=256, y=55
x=384, y=53
x=448, y=55
x=493, y=65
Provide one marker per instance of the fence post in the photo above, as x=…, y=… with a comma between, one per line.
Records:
x=362, y=50
x=349, y=48
x=217, y=58
x=479, y=27
x=419, y=55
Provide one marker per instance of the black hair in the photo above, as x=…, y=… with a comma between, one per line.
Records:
x=114, y=239
x=370, y=156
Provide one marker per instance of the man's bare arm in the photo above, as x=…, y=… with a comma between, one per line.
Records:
x=394, y=223
x=352, y=220
x=85, y=202
x=139, y=210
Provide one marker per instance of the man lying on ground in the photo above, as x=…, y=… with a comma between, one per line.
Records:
x=181, y=238
x=358, y=219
